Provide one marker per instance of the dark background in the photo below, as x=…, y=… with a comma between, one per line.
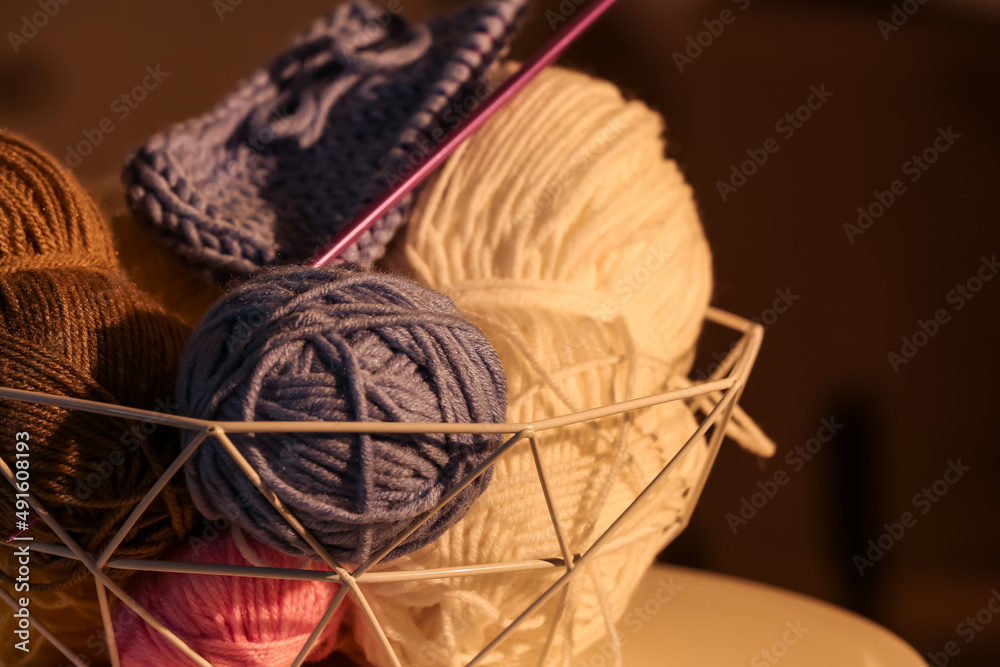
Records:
x=826, y=357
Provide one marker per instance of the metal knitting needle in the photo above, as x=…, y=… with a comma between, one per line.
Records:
x=548, y=54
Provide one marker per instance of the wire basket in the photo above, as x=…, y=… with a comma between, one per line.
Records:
x=716, y=398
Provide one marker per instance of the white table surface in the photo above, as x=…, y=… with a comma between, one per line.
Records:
x=685, y=617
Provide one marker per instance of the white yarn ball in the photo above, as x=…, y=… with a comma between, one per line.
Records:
x=562, y=231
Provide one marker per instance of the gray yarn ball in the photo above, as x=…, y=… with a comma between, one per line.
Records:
x=340, y=344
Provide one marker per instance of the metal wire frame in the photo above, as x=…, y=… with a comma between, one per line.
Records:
x=723, y=387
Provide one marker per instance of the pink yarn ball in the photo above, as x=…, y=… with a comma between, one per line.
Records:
x=230, y=621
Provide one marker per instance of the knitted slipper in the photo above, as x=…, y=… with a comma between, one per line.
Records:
x=297, y=150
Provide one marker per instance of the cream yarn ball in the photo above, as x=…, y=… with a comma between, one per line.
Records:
x=564, y=233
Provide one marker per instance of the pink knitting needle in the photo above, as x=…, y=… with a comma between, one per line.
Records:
x=510, y=88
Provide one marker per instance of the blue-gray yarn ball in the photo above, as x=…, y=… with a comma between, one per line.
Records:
x=340, y=344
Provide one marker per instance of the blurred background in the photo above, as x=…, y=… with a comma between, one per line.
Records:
x=847, y=270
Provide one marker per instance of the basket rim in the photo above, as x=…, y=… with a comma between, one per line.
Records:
x=723, y=389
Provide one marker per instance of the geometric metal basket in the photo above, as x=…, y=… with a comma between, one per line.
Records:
x=716, y=398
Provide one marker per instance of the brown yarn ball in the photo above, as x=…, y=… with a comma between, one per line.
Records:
x=47, y=219
x=93, y=335
x=73, y=324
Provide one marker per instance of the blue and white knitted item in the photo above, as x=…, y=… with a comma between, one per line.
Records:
x=301, y=147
